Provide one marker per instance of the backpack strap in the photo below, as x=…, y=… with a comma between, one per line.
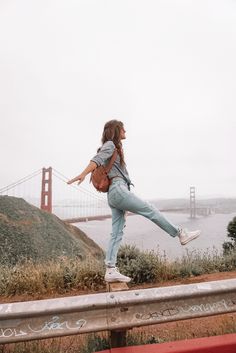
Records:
x=112, y=160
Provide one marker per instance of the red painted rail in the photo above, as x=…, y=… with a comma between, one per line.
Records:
x=215, y=344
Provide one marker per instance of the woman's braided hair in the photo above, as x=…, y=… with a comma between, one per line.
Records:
x=111, y=132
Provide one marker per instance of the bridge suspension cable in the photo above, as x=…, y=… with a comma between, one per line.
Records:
x=21, y=181
x=76, y=202
x=65, y=179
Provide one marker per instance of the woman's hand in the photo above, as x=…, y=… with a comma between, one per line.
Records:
x=79, y=178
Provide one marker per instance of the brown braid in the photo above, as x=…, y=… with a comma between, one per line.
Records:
x=111, y=132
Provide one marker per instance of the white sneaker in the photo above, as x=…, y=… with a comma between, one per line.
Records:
x=185, y=236
x=113, y=275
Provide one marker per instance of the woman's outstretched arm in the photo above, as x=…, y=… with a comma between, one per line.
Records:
x=92, y=165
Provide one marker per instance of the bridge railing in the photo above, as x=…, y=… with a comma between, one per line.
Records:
x=114, y=311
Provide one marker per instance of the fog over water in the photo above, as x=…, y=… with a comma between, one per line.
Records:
x=147, y=236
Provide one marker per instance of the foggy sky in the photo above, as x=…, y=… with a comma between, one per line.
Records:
x=165, y=68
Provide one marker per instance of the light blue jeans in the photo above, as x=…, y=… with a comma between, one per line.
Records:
x=121, y=199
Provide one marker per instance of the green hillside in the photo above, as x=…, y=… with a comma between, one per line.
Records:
x=27, y=232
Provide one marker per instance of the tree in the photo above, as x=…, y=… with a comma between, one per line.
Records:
x=229, y=246
x=232, y=229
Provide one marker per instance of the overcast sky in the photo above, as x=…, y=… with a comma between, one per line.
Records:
x=166, y=68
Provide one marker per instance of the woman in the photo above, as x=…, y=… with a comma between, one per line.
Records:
x=121, y=199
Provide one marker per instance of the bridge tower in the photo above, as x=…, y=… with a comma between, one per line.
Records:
x=46, y=191
x=192, y=202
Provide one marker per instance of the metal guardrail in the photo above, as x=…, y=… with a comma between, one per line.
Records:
x=114, y=311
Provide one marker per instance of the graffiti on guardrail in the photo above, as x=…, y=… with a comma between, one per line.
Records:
x=209, y=307
x=11, y=332
x=177, y=310
x=55, y=323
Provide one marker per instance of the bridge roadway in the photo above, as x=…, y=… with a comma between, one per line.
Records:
x=203, y=211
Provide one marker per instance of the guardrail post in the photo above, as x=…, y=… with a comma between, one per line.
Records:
x=118, y=337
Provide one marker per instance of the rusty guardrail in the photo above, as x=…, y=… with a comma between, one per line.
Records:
x=113, y=311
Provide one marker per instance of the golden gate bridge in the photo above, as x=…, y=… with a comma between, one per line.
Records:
x=48, y=189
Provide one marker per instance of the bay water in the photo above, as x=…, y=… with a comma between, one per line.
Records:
x=144, y=234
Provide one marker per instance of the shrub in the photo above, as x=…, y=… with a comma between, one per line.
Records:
x=140, y=266
x=228, y=247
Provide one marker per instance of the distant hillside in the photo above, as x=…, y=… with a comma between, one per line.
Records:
x=221, y=205
x=28, y=232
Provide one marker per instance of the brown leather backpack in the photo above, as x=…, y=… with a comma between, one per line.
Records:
x=99, y=176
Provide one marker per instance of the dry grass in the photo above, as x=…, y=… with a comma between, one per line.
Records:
x=52, y=276
x=64, y=274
